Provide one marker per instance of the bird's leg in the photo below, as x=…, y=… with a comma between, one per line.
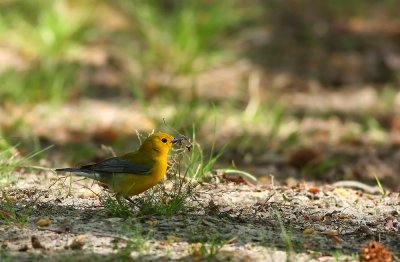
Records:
x=118, y=198
x=130, y=200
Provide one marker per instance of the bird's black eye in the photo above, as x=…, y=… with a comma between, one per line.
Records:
x=164, y=140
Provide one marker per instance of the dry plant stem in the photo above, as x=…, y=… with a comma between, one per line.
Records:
x=94, y=233
x=357, y=185
x=109, y=150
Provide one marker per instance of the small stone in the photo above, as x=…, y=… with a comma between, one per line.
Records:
x=43, y=222
x=114, y=219
x=88, y=194
x=78, y=242
x=173, y=238
x=11, y=198
x=332, y=233
x=309, y=231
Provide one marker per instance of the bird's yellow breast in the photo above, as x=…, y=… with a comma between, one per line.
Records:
x=131, y=184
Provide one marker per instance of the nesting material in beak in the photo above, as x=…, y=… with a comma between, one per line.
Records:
x=178, y=139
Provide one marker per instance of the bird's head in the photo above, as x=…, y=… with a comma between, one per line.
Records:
x=158, y=144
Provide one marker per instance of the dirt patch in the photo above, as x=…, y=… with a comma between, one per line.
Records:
x=238, y=222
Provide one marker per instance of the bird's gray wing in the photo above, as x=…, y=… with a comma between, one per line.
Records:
x=116, y=165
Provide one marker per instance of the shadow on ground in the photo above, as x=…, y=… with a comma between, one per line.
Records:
x=240, y=218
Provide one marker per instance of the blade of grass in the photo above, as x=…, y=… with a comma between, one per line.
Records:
x=378, y=182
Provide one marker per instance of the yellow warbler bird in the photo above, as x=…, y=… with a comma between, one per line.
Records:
x=135, y=172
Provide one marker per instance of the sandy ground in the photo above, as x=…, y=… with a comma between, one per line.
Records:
x=245, y=223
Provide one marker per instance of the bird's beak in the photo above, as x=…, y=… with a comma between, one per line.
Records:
x=178, y=139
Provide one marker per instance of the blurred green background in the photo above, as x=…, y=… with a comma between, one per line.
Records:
x=296, y=88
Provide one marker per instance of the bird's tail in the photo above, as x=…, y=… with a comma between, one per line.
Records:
x=79, y=172
x=68, y=169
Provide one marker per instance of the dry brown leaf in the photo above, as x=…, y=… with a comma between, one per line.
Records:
x=152, y=222
x=4, y=214
x=374, y=251
x=337, y=240
x=36, y=243
x=236, y=180
x=23, y=248
x=264, y=180
x=303, y=156
x=313, y=190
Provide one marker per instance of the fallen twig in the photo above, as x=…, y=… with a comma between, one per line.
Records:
x=357, y=185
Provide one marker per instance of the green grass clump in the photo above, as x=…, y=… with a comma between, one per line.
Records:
x=55, y=42
x=137, y=241
x=49, y=38
x=285, y=235
x=9, y=160
x=209, y=248
x=116, y=207
x=11, y=213
x=199, y=164
x=380, y=186
x=158, y=201
x=164, y=203
x=49, y=82
x=181, y=36
x=51, y=30
x=202, y=164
